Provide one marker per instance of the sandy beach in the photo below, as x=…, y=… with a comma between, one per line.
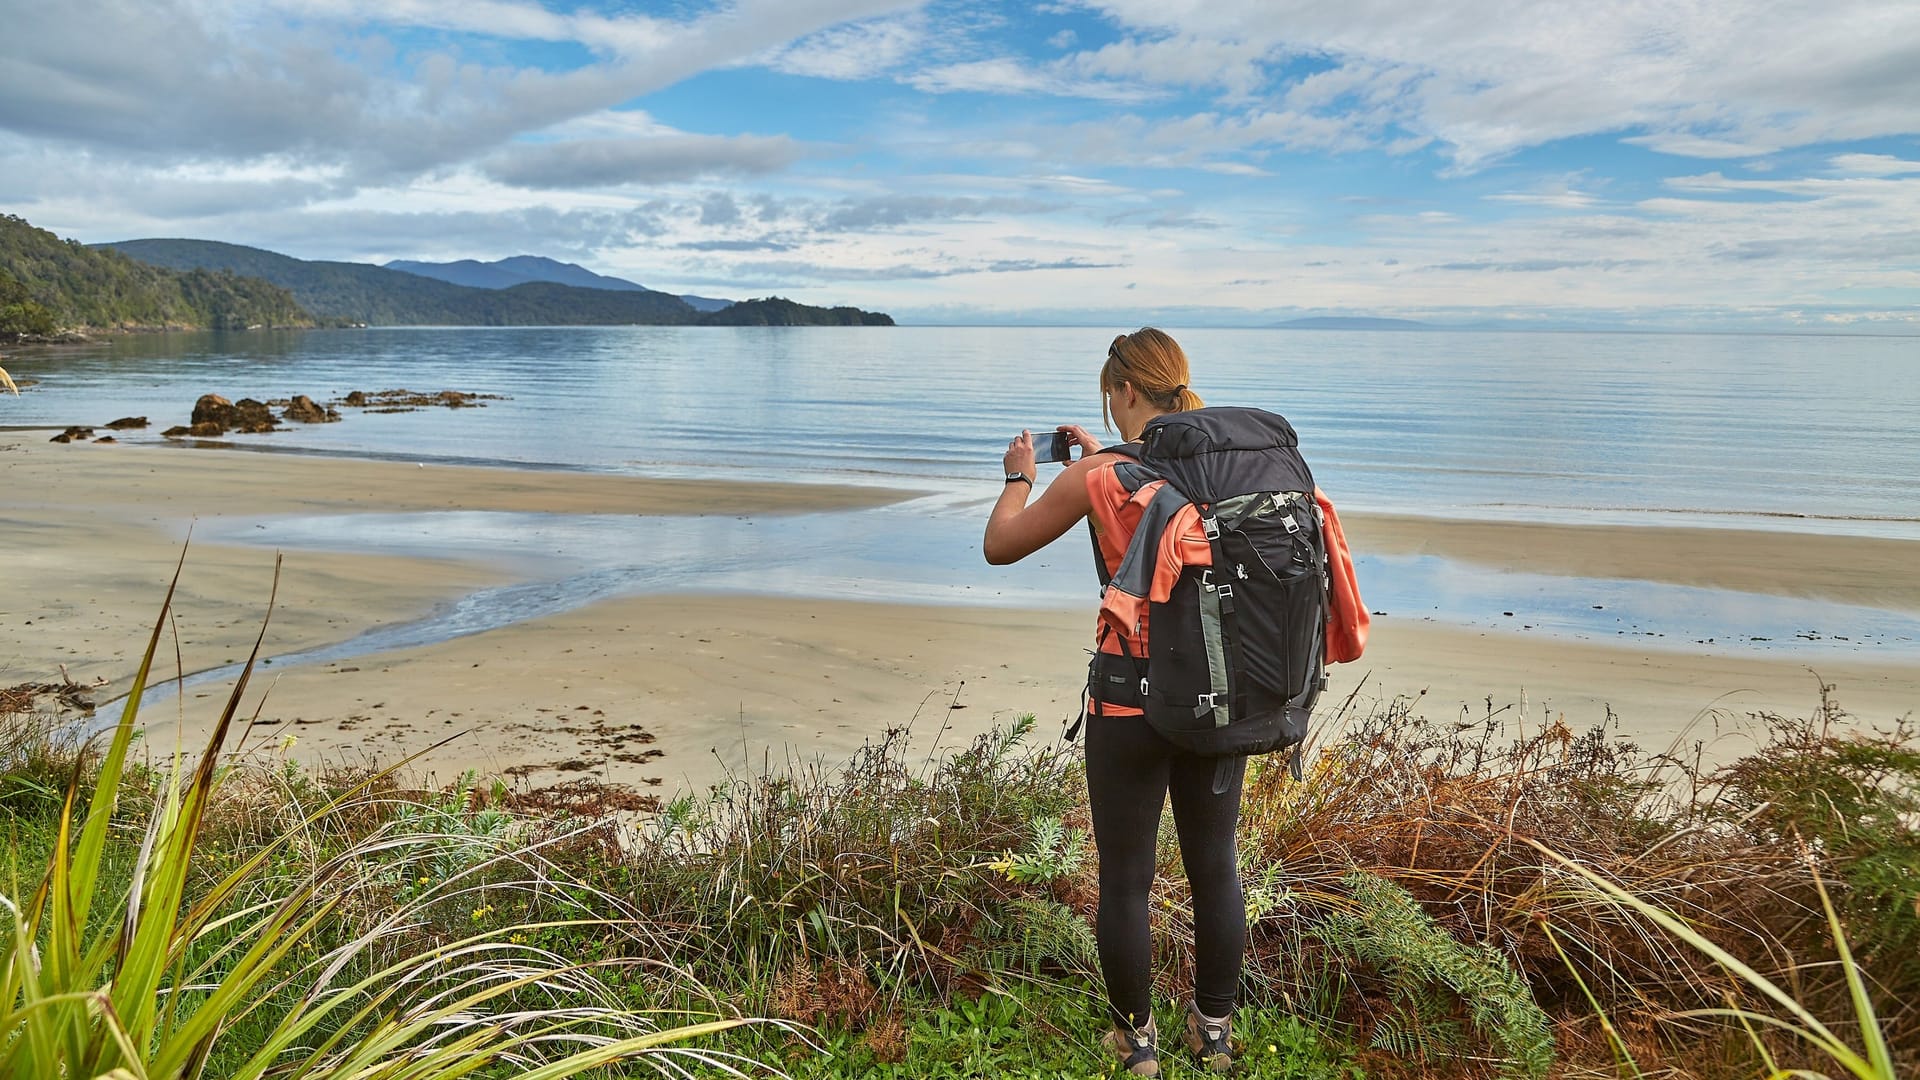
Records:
x=664, y=692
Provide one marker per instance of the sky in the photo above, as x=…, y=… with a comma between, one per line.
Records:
x=1683, y=164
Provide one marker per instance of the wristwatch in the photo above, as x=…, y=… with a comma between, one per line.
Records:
x=1012, y=476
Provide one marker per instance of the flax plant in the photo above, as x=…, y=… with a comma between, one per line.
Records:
x=184, y=977
x=1872, y=1060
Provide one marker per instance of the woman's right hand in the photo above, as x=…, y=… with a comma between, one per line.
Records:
x=1081, y=438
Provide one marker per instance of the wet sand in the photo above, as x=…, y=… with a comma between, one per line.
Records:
x=670, y=692
x=667, y=692
x=91, y=534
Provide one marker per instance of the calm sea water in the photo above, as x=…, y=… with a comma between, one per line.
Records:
x=1799, y=433
x=1569, y=426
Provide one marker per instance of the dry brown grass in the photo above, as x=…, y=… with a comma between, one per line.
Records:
x=1443, y=809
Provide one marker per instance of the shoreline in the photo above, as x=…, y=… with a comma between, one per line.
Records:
x=673, y=693
x=92, y=532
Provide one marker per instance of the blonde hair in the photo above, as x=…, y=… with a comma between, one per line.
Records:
x=1151, y=362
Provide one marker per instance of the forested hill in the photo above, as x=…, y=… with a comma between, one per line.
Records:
x=343, y=292
x=48, y=284
x=779, y=311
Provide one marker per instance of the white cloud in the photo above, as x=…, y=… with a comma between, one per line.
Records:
x=861, y=51
x=1872, y=165
x=1487, y=77
x=1009, y=75
x=315, y=81
x=652, y=160
x=1688, y=144
x=1233, y=66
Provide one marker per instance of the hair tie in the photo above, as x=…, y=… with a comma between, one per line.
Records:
x=1177, y=390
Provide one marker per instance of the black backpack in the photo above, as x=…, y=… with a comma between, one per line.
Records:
x=1236, y=655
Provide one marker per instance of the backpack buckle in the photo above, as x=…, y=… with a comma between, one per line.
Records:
x=1143, y=689
x=1209, y=701
x=1211, y=526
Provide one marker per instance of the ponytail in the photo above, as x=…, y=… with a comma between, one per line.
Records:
x=1152, y=363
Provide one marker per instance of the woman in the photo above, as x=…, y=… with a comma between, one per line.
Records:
x=1131, y=770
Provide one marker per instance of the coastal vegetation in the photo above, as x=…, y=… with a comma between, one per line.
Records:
x=779, y=311
x=1480, y=897
x=48, y=285
x=361, y=293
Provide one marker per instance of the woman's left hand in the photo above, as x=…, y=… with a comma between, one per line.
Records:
x=1019, y=456
x=1081, y=438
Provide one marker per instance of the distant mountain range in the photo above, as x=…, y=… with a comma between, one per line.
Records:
x=521, y=269
x=1347, y=322
x=349, y=293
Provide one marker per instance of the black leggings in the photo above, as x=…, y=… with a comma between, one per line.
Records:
x=1130, y=772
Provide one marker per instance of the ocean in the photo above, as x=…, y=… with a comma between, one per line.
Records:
x=1798, y=433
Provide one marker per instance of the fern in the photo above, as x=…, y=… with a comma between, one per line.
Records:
x=1431, y=975
x=1056, y=852
x=1034, y=932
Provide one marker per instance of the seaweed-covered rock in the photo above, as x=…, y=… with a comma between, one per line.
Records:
x=252, y=417
x=303, y=409
x=212, y=409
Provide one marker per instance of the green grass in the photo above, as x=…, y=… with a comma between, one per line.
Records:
x=259, y=962
x=1437, y=900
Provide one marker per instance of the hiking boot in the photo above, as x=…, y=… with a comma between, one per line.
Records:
x=1210, y=1041
x=1138, y=1049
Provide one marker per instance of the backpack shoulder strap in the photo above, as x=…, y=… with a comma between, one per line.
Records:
x=1130, y=451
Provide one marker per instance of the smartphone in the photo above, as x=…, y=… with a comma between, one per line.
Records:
x=1052, y=446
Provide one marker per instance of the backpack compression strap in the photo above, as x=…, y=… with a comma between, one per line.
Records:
x=1232, y=662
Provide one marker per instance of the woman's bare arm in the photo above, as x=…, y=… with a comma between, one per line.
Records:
x=1016, y=530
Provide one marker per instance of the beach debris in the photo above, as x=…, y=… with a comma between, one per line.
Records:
x=106, y=439
x=583, y=798
x=127, y=422
x=72, y=433
x=66, y=695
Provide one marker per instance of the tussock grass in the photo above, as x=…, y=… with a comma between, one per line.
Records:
x=1462, y=898
x=1458, y=815
x=1400, y=897
x=320, y=940
x=838, y=892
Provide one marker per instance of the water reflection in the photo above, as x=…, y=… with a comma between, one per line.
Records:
x=927, y=551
